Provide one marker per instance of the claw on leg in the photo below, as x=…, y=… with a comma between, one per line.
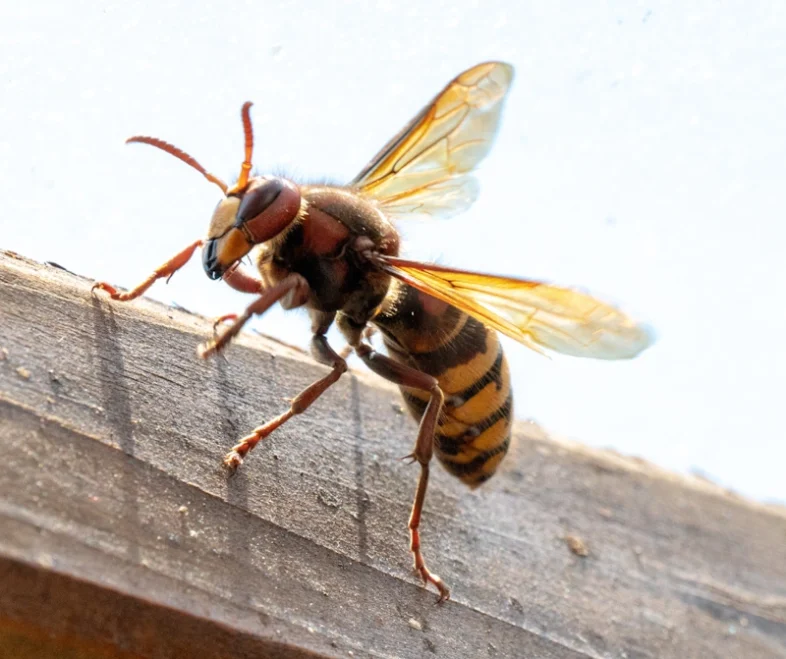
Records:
x=103, y=286
x=234, y=458
x=166, y=270
x=223, y=319
x=220, y=320
x=414, y=538
x=426, y=574
x=232, y=461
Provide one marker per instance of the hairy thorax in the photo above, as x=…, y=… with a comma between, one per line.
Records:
x=326, y=245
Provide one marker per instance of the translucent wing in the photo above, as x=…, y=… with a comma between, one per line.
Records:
x=534, y=313
x=424, y=169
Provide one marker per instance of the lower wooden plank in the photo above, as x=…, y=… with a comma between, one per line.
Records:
x=90, y=512
x=47, y=614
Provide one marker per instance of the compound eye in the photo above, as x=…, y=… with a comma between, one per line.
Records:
x=258, y=200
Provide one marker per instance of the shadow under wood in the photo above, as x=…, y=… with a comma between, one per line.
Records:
x=115, y=400
x=361, y=496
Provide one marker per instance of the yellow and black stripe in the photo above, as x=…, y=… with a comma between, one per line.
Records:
x=466, y=358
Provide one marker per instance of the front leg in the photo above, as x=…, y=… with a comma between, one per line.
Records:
x=166, y=270
x=241, y=280
x=293, y=291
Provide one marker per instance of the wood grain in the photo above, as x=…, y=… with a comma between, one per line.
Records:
x=120, y=532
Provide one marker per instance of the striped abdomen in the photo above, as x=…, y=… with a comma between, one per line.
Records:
x=466, y=358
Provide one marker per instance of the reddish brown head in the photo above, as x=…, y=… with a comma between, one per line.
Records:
x=255, y=210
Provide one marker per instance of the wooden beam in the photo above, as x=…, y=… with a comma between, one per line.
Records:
x=120, y=534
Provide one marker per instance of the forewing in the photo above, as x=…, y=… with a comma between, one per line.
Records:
x=425, y=168
x=532, y=312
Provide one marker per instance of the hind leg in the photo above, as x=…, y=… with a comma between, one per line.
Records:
x=407, y=376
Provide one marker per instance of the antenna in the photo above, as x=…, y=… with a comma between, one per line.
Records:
x=182, y=155
x=248, y=133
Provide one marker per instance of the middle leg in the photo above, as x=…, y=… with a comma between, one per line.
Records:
x=324, y=354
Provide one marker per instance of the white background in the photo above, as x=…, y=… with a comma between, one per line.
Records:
x=642, y=156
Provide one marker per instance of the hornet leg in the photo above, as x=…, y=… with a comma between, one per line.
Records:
x=407, y=376
x=324, y=354
x=292, y=291
x=166, y=270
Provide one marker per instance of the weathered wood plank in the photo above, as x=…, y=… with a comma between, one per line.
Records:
x=112, y=433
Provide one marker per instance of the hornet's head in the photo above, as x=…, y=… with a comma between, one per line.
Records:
x=255, y=210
